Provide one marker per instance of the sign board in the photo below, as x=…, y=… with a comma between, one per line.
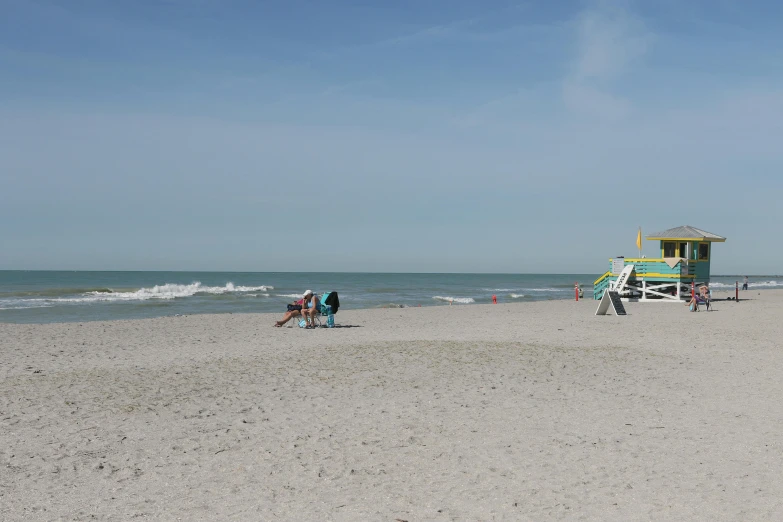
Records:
x=613, y=299
x=618, y=265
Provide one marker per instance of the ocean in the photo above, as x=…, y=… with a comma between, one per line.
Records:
x=60, y=296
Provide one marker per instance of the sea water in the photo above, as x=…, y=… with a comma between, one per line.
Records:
x=51, y=296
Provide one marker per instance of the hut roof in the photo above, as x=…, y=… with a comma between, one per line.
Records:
x=687, y=232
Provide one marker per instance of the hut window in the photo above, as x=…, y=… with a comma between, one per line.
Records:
x=668, y=249
x=704, y=251
x=684, y=250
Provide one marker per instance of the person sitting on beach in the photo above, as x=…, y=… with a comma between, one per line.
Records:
x=693, y=304
x=310, y=308
x=294, y=310
x=705, y=295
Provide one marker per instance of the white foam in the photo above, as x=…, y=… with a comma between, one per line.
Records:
x=517, y=296
x=751, y=284
x=460, y=300
x=763, y=284
x=292, y=296
x=549, y=289
x=165, y=292
x=173, y=291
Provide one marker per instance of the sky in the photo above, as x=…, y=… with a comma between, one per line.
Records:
x=406, y=136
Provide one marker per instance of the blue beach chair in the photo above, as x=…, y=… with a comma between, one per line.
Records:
x=330, y=303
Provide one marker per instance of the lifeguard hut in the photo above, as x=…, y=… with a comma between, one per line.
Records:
x=685, y=259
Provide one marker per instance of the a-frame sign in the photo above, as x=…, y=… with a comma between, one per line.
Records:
x=610, y=298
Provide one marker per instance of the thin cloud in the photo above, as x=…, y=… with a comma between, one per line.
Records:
x=453, y=28
x=610, y=40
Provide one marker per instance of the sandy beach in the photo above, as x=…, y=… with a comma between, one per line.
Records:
x=538, y=411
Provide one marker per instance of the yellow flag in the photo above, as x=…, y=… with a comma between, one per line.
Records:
x=639, y=239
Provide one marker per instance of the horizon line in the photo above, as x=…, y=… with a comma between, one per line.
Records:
x=343, y=272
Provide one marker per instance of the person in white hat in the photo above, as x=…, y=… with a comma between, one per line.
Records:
x=311, y=306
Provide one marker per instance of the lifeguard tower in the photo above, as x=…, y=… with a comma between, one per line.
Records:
x=685, y=259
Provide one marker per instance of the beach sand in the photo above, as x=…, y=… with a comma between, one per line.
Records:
x=532, y=411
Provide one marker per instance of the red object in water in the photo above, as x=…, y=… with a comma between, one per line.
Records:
x=576, y=291
x=494, y=299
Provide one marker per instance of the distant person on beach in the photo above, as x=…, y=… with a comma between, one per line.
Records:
x=745, y=284
x=294, y=310
x=310, y=307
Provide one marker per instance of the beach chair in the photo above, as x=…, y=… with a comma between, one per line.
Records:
x=330, y=303
x=699, y=302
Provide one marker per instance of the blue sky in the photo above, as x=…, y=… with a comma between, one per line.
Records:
x=426, y=135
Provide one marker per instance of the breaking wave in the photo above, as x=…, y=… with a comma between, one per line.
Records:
x=459, y=300
x=163, y=292
x=751, y=284
x=170, y=291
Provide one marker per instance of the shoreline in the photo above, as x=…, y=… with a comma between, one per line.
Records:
x=720, y=295
x=27, y=298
